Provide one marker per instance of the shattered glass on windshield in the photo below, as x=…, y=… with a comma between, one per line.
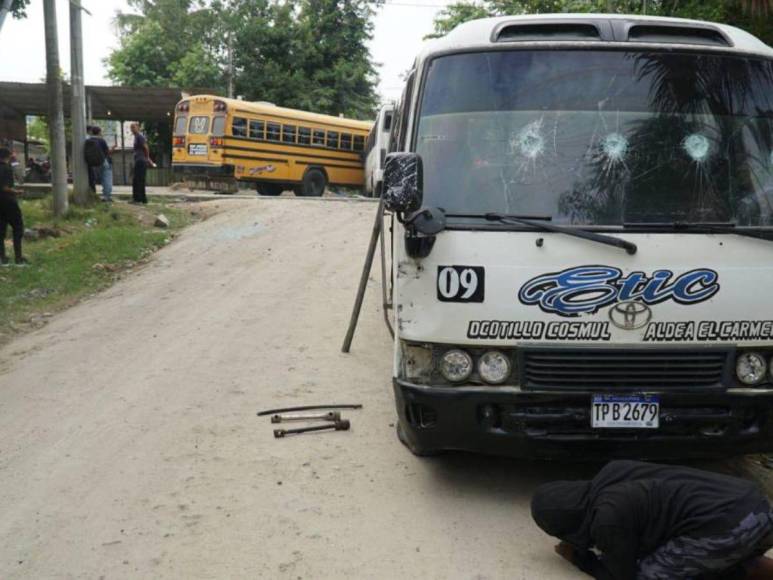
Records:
x=600, y=138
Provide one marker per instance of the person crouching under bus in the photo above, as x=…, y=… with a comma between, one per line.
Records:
x=657, y=522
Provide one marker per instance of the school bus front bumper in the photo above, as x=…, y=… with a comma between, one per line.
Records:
x=513, y=422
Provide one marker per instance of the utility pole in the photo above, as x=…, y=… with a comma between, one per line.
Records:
x=80, y=177
x=230, y=66
x=55, y=111
x=5, y=8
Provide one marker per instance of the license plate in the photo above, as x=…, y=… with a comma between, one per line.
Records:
x=197, y=149
x=625, y=412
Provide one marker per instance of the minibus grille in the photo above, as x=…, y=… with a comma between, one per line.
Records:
x=611, y=369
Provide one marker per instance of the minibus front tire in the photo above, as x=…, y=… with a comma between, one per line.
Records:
x=314, y=183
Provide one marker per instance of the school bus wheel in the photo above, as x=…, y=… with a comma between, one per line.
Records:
x=314, y=183
x=272, y=189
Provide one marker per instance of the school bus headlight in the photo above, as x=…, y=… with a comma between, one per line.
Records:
x=456, y=365
x=494, y=367
x=751, y=368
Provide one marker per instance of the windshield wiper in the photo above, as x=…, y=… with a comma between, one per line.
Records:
x=541, y=223
x=708, y=227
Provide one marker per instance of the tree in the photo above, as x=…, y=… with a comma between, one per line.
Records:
x=37, y=130
x=55, y=111
x=306, y=54
x=15, y=7
x=757, y=7
x=756, y=16
x=337, y=62
x=167, y=43
x=18, y=8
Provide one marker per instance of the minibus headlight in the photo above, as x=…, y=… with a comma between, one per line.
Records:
x=456, y=365
x=751, y=368
x=494, y=367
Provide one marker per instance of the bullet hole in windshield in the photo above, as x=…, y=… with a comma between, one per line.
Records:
x=615, y=147
x=529, y=141
x=697, y=147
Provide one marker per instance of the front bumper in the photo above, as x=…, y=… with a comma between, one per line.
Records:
x=203, y=170
x=512, y=422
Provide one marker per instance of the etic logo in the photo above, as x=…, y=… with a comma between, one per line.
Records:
x=587, y=289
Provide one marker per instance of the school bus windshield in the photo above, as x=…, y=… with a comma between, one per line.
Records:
x=600, y=137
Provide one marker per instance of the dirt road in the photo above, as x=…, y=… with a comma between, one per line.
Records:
x=129, y=445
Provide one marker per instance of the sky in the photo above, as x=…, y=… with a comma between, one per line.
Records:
x=400, y=26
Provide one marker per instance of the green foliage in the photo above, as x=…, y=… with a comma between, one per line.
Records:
x=306, y=54
x=167, y=43
x=18, y=8
x=37, y=130
x=756, y=16
x=95, y=244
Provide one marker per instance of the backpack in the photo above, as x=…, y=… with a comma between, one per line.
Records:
x=95, y=157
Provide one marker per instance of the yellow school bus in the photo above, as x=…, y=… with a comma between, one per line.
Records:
x=226, y=141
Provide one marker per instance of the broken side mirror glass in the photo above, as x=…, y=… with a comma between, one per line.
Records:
x=403, y=179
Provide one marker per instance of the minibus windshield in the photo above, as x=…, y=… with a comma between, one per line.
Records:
x=599, y=138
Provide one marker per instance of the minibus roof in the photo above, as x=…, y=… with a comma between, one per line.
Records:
x=613, y=31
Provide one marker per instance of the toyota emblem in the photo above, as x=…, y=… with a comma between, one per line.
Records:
x=630, y=315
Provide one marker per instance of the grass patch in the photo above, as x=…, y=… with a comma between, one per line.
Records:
x=94, y=246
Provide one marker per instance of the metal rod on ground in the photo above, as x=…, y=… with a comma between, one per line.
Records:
x=55, y=111
x=377, y=225
x=337, y=426
x=80, y=176
x=307, y=408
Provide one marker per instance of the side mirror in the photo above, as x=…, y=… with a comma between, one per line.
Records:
x=403, y=182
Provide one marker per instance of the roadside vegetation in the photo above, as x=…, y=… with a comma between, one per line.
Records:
x=78, y=255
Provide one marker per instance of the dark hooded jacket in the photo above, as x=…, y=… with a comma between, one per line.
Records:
x=631, y=508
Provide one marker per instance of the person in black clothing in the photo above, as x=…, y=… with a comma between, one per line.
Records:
x=100, y=163
x=10, y=212
x=657, y=522
x=142, y=161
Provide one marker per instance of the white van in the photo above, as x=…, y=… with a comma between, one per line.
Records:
x=376, y=149
x=583, y=239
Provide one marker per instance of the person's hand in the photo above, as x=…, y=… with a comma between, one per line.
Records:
x=566, y=551
x=150, y=162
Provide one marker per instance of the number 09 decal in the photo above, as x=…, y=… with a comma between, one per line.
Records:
x=460, y=283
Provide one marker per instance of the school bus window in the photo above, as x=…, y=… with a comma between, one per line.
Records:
x=199, y=125
x=180, y=124
x=257, y=130
x=359, y=143
x=288, y=133
x=332, y=139
x=218, y=126
x=319, y=137
x=346, y=141
x=239, y=127
x=304, y=136
x=273, y=131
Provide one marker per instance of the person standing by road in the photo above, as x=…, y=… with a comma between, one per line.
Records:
x=10, y=212
x=142, y=161
x=100, y=161
x=658, y=522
